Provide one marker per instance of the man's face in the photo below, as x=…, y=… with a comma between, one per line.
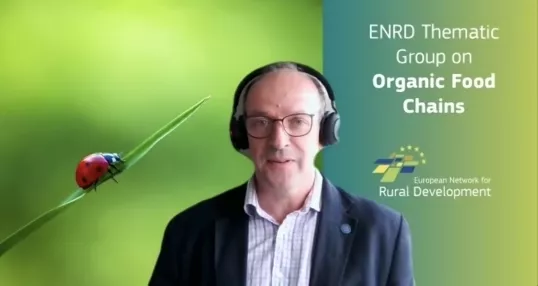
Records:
x=280, y=158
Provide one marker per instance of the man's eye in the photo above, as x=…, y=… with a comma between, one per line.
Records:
x=260, y=122
x=297, y=121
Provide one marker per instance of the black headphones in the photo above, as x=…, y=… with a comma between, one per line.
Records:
x=330, y=122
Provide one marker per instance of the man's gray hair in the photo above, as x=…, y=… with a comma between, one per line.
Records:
x=322, y=91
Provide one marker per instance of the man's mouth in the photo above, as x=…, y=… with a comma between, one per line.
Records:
x=279, y=161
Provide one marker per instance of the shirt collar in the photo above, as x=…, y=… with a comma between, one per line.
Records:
x=313, y=200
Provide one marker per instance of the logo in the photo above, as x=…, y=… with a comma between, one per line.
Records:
x=405, y=161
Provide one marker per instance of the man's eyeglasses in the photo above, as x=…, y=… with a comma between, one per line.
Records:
x=295, y=125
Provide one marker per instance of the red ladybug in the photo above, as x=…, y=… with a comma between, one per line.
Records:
x=91, y=169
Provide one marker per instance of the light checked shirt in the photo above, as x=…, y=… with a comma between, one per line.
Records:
x=280, y=255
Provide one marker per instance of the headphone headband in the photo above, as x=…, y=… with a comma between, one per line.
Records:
x=255, y=75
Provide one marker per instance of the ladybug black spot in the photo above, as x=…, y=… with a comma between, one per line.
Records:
x=98, y=169
x=84, y=179
x=88, y=164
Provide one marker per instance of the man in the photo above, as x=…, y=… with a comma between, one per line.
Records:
x=288, y=225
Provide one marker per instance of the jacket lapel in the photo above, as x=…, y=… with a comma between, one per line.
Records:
x=231, y=238
x=334, y=237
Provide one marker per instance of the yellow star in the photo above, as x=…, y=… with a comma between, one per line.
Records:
x=421, y=154
x=416, y=149
x=409, y=147
x=423, y=161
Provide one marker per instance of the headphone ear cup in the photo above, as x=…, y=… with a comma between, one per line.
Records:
x=329, y=129
x=238, y=134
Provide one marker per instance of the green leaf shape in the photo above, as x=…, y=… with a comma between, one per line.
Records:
x=129, y=159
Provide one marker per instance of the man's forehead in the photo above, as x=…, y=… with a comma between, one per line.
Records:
x=282, y=80
x=284, y=85
x=283, y=92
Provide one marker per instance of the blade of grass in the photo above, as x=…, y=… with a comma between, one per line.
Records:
x=130, y=159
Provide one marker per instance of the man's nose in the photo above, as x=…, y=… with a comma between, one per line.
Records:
x=279, y=138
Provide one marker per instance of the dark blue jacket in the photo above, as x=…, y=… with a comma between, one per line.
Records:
x=206, y=244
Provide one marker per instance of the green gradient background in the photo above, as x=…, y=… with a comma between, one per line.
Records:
x=83, y=76
x=470, y=241
x=78, y=77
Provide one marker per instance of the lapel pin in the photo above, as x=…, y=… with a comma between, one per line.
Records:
x=345, y=228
